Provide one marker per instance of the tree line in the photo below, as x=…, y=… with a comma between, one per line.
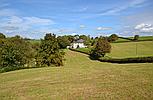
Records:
x=17, y=52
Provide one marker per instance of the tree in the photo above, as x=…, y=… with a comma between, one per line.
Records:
x=101, y=48
x=112, y=38
x=63, y=42
x=136, y=37
x=15, y=52
x=49, y=52
x=2, y=36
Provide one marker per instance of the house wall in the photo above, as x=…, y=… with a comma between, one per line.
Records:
x=75, y=45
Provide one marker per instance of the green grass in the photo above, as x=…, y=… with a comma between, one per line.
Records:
x=146, y=38
x=132, y=49
x=141, y=38
x=34, y=41
x=79, y=79
x=122, y=40
x=84, y=49
x=128, y=49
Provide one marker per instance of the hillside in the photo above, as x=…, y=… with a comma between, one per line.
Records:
x=80, y=78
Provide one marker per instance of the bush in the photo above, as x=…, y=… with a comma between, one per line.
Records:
x=128, y=60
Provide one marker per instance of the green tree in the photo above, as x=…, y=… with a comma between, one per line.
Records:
x=136, y=37
x=87, y=40
x=49, y=53
x=2, y=36
x=15, y=52
x=63, y=42
x=112, y=38
x=101, y=48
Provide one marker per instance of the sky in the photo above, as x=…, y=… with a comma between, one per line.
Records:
x=35, y=18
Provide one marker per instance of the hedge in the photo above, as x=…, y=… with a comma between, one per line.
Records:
x=128, y=60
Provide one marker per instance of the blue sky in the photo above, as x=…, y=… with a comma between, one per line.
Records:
x=34, y=18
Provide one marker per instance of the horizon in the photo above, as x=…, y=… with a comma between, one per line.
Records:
x=33, y=19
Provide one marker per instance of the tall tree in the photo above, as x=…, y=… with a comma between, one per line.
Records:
x=49, y=53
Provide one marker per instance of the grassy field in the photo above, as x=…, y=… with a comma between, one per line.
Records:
x=132, y=49
x=129, y=49
x=79, y=79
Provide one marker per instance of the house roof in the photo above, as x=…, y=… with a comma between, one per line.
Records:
x=79, y=41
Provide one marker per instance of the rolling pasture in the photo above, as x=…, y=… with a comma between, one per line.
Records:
x=129, y=49
x=79, y=79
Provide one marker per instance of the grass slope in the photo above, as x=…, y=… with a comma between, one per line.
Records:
x=79, y=79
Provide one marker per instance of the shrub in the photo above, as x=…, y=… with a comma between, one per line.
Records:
x=128, y=60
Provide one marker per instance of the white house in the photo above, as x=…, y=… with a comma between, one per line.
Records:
x=78, y=44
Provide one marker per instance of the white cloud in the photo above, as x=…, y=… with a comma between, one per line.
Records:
x=65, y=31
x=36, y=20
x=82, y=26
x=117, y=9
x=22, y=25
x=144, y=27
x=103, y=28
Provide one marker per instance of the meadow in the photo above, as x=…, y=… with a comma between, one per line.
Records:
x=128, y=49
x=79, y=79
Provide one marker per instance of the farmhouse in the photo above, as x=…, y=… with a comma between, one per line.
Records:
x=78, y=44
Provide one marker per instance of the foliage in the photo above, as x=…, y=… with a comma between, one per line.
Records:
x=112, y=38
x=101, y=48
x=15, y=52
x=2, y=36
x=63, y=42
x=87, y=40
x=49, y=53
x=128, y=60
x=136, y=37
